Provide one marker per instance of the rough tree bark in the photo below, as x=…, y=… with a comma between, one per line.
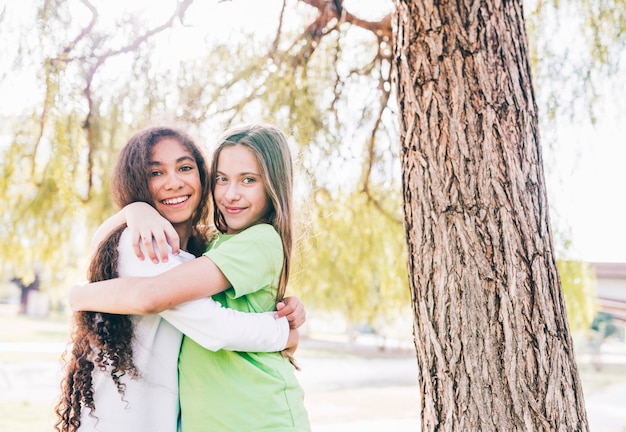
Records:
x=493, y=345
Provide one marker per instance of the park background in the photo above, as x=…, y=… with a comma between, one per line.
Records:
x=200, y=73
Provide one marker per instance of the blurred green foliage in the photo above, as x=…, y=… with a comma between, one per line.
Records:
x=100, y=78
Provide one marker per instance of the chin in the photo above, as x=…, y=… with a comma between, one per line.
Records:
x=179, y=220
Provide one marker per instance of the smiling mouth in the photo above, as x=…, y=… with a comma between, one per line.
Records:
x=233, y=210
x=177, y=200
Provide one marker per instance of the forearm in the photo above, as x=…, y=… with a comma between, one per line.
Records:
x=106, y=228
x=214, y=327
x=110, y=296
x=145, y=295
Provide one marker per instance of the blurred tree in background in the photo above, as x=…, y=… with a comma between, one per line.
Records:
x=90, y=73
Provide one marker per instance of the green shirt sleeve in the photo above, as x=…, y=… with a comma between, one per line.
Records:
x=251, y=260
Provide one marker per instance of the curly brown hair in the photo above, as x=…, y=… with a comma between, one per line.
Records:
x=99, y=340
x=102, y=340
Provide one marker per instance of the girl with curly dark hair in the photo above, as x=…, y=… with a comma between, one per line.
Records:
x=121, y=374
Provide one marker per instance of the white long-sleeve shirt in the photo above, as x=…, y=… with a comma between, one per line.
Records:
x=150, y=402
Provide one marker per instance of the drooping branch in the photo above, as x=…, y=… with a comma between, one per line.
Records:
x=98, y=60
x=278, y=31
x=52, y=67
x=313, y=34
x=178, y=14
x=385, y=89
x=381, y=29
x=384, y=86
x=330, y=11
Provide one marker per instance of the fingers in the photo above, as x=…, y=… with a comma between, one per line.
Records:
x=156, y=251
x=136, y=245
x=151, y=231
x=161, y=246
x=293, y=309
x=174, y=241
x=148, y=246
x=287, y=308
x=282, y=309
x=155, y=244
x=163, y=236
x=297, y=318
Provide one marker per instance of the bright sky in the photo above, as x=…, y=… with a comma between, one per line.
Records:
x=592, y=198
x=591, y=162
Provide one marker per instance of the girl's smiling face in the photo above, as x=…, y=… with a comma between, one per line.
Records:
x=239, y=191
x=174, y=181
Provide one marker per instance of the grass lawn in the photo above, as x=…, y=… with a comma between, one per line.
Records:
x=20, y=328
x=26, y=416
x=32, y=412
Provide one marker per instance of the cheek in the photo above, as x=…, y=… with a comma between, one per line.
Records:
x=266, y=198
x=153, y=186
x=196, y=183
x=217, y=193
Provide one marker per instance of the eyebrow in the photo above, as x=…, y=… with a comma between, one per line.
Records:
x=179, y=160
x=245, y=173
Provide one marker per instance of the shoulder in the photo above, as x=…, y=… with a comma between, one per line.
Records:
x=263, y=237
x=130, y=265
x=260, y=231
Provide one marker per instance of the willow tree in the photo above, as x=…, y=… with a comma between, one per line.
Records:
x=326, y=33
x=100, y=82
x=56, y=161
x=349, y=262
x=492, y=339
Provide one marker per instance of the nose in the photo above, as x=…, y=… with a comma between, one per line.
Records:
x=173, y=181
x=232, y=192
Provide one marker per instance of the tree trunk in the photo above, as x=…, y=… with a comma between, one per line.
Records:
x=493, y=345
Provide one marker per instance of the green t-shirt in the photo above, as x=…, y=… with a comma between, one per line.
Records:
x=235, y=391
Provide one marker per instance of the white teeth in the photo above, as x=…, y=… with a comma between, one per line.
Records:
x=175, y=200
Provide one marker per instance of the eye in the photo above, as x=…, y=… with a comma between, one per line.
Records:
x=220, y=179
x=155, y=173
x=186, y=168
x=248, y=180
